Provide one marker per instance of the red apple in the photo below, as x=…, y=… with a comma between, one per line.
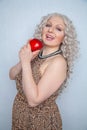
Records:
x=35, y=44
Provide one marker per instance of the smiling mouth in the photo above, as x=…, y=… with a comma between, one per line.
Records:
x=49, y=37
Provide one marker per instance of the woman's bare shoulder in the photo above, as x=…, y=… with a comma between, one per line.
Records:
x=58, y=60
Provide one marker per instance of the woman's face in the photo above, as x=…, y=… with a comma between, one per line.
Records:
x=53, y=32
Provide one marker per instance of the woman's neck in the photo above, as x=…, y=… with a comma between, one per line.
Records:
x=48, y=50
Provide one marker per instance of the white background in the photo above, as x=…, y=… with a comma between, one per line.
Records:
x=18, y=19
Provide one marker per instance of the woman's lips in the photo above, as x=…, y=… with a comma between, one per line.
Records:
x=49, y=37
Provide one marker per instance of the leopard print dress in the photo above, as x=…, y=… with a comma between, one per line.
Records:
x=45, y=116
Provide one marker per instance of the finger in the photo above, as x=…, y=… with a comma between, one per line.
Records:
x=28, y=46
x=29, y=41
x=23, y=47
x=36, y=52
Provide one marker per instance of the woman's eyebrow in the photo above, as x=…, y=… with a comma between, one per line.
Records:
x=59, y=25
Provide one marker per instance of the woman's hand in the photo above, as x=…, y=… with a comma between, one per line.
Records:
x=26, y=55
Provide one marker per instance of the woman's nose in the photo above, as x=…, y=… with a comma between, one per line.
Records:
x=51, y=29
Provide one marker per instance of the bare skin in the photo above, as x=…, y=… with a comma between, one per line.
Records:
x=53, y=70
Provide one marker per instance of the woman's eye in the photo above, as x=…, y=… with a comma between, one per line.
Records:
x=59, y=29
x=48, y=25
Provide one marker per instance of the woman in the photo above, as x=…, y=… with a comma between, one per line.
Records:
x=41, y=75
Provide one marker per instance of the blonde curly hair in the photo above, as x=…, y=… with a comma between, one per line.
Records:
x=69, y=45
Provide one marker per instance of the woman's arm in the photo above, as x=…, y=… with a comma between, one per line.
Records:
x=53, y=77
x=15, y=70
x=51, y=80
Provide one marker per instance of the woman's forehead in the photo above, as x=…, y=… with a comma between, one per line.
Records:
x=57, y=20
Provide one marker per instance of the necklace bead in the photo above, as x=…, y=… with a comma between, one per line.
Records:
x=49, y=55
